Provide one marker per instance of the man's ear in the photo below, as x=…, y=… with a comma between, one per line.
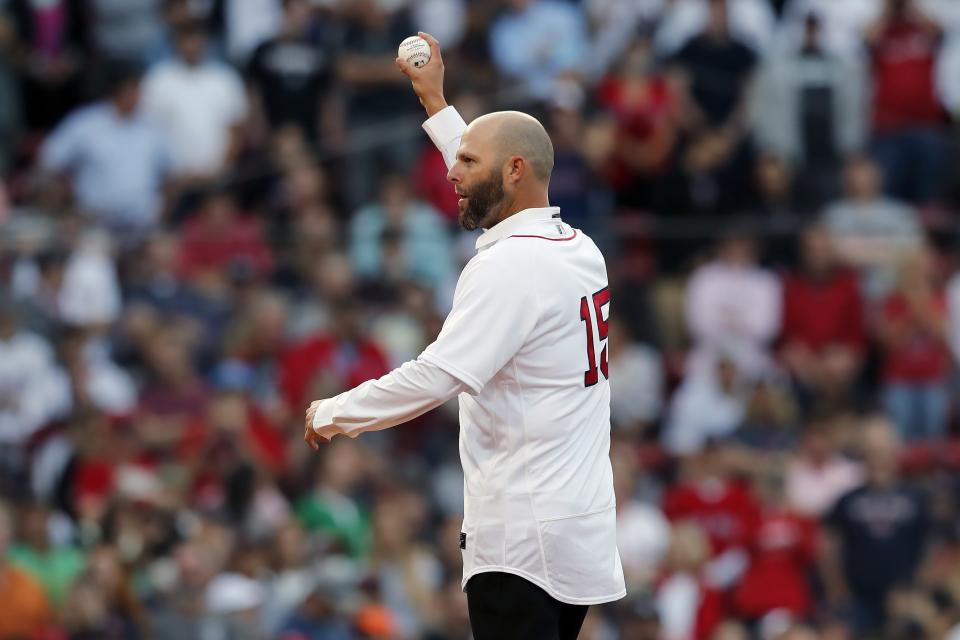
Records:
x=516, y=168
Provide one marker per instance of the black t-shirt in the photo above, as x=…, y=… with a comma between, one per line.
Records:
x=718, y=71
x=883, y=533
x=293, y=76
x=377, y=102
x=816, y=111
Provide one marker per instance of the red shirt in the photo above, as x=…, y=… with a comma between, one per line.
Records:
x=920, y=356
x=430, y=177
x=905, y=92
x=351, y=364
x=262, y=440
x=822, y=313
x=727, y=511
x=781, y=556
x=638, y=119
x=206, y=246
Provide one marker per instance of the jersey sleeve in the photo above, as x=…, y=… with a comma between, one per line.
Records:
x=495, y=308
x=403, y=394
x=445, y=129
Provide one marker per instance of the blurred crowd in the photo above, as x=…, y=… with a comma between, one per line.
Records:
x=215, y=211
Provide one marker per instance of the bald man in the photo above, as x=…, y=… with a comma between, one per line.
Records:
x=524, y=351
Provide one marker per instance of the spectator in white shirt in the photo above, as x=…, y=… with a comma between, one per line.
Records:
x=643, y=532
x=127, y=29
x=613, y=27
x=446, y=20
x=734, y=306
x=199, y=104
x=808, y=105
x=709, y=405
x=90, y=293
x=818, y=475
x=844, y=23
x=948, y=70
x=636, y=380
x=97, y=381
x=116, y=160
x=870, y=231
x=33, y=389
x=537, y=41
x=953, y=315
x=249, y=23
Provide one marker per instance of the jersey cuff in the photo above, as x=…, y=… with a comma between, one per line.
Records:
x=455, y=371
x=324, y=415
x=444, y=126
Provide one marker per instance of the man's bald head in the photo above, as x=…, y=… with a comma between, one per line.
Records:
x=502, y=166
x=512, y=133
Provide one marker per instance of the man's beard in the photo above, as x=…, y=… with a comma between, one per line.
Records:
x=481, y=201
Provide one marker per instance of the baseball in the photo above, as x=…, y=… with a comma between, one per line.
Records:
x=415, y=50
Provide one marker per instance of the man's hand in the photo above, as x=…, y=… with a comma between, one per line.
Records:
x=310, y=436
x=427, y=80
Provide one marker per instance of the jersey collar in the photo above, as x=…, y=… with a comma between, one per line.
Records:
x=515, y=223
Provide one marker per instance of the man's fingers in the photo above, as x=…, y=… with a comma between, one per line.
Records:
x=434, y=44
x=313, y=439
x=404, y=66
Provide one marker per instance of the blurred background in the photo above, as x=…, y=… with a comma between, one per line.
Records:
x=215, y=211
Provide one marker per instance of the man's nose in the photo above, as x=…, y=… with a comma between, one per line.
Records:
x=452, y=175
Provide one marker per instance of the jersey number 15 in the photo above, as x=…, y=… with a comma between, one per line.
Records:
x=591, y=376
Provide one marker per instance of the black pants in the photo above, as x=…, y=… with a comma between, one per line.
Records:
x=507, y=607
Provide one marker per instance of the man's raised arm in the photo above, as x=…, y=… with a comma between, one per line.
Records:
x=444, y=125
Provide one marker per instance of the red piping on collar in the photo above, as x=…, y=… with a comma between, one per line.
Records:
x=570, y=237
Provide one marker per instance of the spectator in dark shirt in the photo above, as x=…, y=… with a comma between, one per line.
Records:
x=776, y=196
x=717, y=68
x=876, y=535
x=375, y=93
x=824, y=337
x=908, y=119
x=54, y=41
x=292, y=76
x=574, y=186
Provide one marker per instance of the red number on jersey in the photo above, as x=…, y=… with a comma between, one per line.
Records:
x=591, y=376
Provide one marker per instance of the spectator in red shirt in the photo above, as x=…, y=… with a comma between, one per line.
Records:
x=218, y=239
x=916, y=363
x=723, y=506
x=782, y=554
x=824, y=337
x=327, y=363
x=232, y=416
x=908, y=119
x=173, y=395
x=645, y=108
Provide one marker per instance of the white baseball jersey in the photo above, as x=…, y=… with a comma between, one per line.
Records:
x=525, y=348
